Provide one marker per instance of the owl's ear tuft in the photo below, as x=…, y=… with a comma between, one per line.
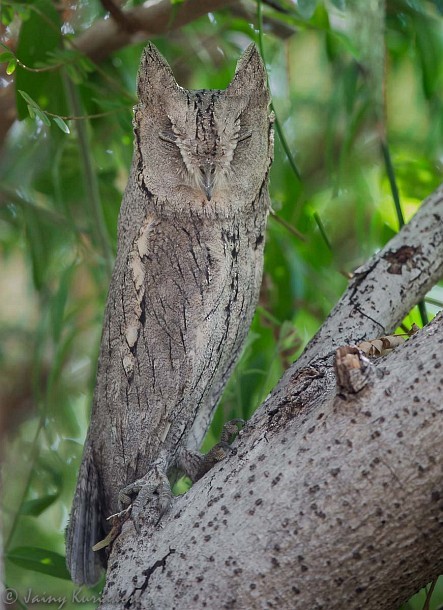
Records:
x=154, y=76
x=250, y=74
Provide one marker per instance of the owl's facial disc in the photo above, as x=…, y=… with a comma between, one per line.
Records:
x=195, y=133
x=207, y=149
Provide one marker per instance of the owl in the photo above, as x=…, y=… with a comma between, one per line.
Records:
x=183, y=291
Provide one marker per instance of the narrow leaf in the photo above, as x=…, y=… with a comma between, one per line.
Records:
x=306, y=8
x=35, y=507
x=44, y=25
x=60, y=123
x=39, y=560
x=28, y=98
x=42, y=116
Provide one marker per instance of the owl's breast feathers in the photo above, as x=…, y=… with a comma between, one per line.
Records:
x=185, y=296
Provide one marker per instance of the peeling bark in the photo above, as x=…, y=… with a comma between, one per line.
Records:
x=334, y=496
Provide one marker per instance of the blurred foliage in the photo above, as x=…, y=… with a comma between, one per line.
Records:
x=357, y=126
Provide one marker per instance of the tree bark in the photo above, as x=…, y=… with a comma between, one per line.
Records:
x=333, y=497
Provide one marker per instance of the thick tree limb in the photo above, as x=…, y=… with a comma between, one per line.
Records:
x=333, y=499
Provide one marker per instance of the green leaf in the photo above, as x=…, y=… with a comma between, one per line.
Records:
x=11, y=66
x=6, y=56
x=28, y=98
x=86, y=63
x=35, y=507
x=31, y=111
x=42, y=116
x=60, y=123
x=39, y=560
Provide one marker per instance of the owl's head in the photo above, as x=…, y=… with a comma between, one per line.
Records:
x=207, y=148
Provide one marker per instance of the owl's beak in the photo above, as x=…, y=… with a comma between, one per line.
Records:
x=208, y=175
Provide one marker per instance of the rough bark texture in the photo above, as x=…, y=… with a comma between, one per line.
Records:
x=334, y=499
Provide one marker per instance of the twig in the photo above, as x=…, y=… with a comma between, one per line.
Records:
x=288, y=226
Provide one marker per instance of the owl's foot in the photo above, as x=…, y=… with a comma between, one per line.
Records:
x=152, y=499
x=195, y=465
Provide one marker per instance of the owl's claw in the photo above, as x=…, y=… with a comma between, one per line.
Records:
x=153, y=497
x=231, y=429
x=195, y=465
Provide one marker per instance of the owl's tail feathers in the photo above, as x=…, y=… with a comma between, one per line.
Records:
x=85, y=525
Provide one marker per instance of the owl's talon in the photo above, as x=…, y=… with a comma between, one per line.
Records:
x=195, y=465
x=125, y=494
x=153, y=497
x=231, y=429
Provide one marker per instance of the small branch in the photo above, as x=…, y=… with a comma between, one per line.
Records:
x=83, y=117
x=288, y=226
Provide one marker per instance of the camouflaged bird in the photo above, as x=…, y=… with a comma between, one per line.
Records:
x=183, y=292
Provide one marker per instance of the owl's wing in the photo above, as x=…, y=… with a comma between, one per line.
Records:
x=157, y=324
x=179, y=308
x=85, y=525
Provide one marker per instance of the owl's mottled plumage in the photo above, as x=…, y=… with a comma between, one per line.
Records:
x=184, y=287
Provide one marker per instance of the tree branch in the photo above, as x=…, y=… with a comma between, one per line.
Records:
x=151, y=19
x=387, y=287
x=334, y=498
